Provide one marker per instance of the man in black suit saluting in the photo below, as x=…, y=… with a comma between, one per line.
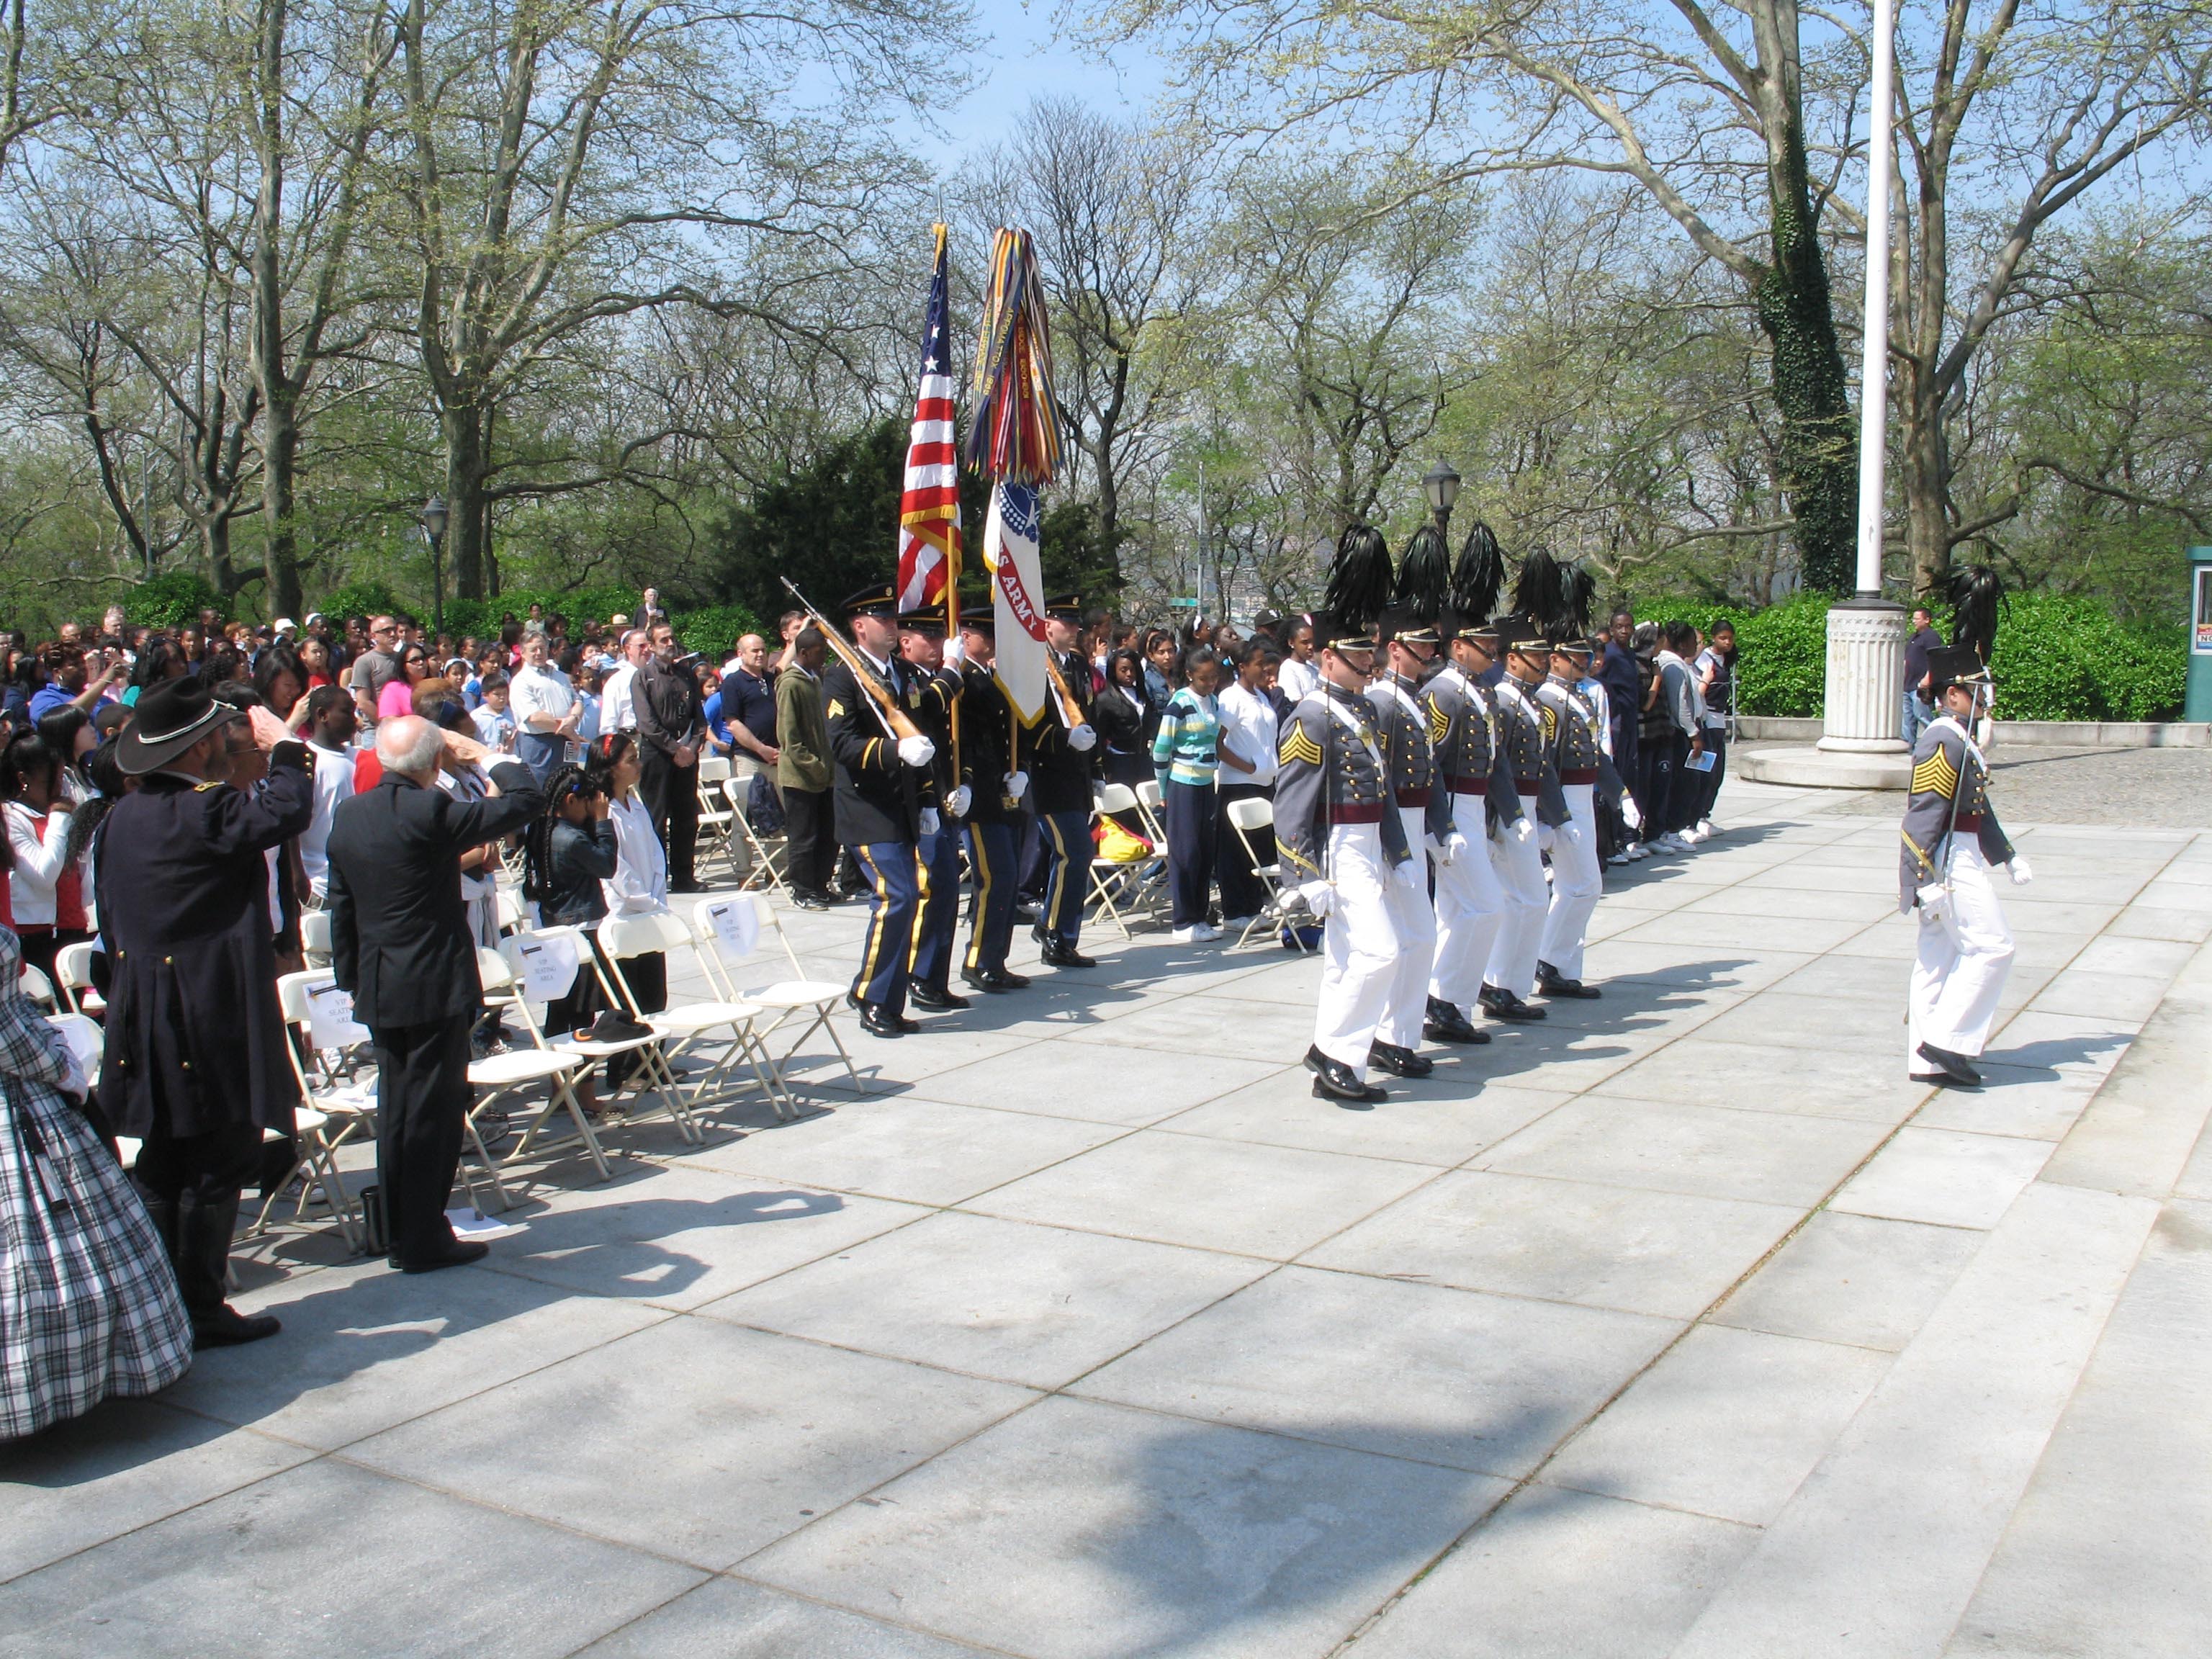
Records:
x=400, y=944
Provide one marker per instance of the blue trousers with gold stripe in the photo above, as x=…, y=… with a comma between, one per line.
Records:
x=895, y=876
x=991, y=855
x=1067, y=850
x=937, y=860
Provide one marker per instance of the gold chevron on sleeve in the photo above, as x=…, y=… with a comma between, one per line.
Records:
x=835, y=708
x=1936, y=775
x=1298, y=748
x=1439, y=724
x=1551, y=723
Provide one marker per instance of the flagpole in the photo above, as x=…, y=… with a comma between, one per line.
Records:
x=952, y=552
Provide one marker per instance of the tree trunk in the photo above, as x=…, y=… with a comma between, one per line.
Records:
x=280, y=457
x=466, y=516
x=1810, y=390
x=1923, y=479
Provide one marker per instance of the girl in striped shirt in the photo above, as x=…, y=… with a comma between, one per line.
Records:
x=1185, y=755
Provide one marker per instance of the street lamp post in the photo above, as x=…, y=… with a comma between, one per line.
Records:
x=1441, y=485
x=433, y=518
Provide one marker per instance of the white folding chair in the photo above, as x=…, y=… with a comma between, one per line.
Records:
x=324, y=1120
x=1247, y=819
x=685, y=1026
x=716, y=830
x=36, y=986
x=315, y=938
x=73, y=970
x=767, y=859
x=1122, y=878
x=789, y=1000
x=617, y=943
x=501, y=1078
x=509, y=910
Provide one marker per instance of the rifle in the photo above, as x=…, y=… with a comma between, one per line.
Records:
x=1071, y=711
x=893, y=718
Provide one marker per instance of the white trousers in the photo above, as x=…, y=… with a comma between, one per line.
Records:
x=1470, y=906
x=1578, y=880
x=1959, y=972
x=1520, y=871
x=1359, y=948
x=1413, y=919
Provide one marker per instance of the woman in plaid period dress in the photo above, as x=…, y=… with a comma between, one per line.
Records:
x=89, y=1306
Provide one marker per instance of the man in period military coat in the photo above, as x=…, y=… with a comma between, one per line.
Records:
x=1424, y=814
x=1572, y=727
x=1341, y=846
x=1510, y=976
x=991, y=745
x=195, y=1066
x=1060, y=783
x=1469, y=903
x=885, y=799
x=1951, y=843
x=934, y=691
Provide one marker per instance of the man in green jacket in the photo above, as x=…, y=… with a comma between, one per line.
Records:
x=802, y=772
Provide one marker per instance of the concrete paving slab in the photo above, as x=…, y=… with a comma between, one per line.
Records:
x=124, y=1465
x=328, y=1559
x=1138, y=1086
x=1859, y=1084
x=2036, y=1105
x=1690, y=964
x=1489, y=1383
x=1881, y=1550
x=2152, y=958
x=1944, y=1176
x=729, y=1619
x=1270, y=1201
x=2061, y=1043
x=911, y=1149
x=1722, y=932
x=1080, y=1530
x=1441, y=1124
x=1711, y=1152
x=678, y=1238
x=886, y=1065
x=1035, y=1305
x=1193, y=1026
x=1563, y=1575
x=1776, y=1019
x=1852, y=903
x=2127, y=997
x=697, y=1440
x=1293, y=981
x=1852, y=1279
x=364, y=1347
x=2161, y=921
x=1728, y=1423
x=1665, y=1254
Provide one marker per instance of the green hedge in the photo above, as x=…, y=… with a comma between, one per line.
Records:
x=2056, y=659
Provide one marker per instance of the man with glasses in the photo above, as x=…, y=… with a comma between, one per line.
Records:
x=376, y=667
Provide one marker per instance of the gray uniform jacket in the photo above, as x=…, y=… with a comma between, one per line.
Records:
x=1528, y=750
x=1571, y=726
x=1328, y=772
x=1404, y=731
x=1462, y=735
x=1945, y=769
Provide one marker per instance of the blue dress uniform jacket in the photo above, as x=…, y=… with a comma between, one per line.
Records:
x=195, y=1038
x=399, y=932
x=880, y=797
x=1060, y=777
x=1946, y=769
x=992, y=742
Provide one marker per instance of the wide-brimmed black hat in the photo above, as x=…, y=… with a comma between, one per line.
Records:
x=171, y=718
x=879, y=600
x=1341, y=633
x=1954, y=664
x=1456, y=625
x=1522, y=634
x=1400, y=622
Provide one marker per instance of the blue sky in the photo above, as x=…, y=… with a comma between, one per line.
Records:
x=1022, y=62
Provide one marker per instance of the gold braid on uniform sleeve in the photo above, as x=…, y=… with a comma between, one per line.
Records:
x=1936, y=775
x=1297, y=748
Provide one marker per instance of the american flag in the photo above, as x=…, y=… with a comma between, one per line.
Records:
x=929, y=507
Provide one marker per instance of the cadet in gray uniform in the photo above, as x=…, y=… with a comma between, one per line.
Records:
x=1470, y=769
x=1951, y=843
x=1341, y=846
x=1425, y=815
x=1511, y=975
x=1571, y=726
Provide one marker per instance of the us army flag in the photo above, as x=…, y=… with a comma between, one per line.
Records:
x=1010, y=553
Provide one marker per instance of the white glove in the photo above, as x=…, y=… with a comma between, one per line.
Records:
x=1630, y=813
x=955, y=652
x=1082, y=739
x=1412, y=874
x=1439, y=850
x=2022, y=872
x=916, y=751
x=1572, y=831
x=1935, y=899
x=1017, y=785
x=959, y=801
x=1524, y=828
x=1320, y=897
x=929, y=820
x=1455, y=848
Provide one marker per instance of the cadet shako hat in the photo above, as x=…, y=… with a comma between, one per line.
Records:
x=1955, y=664
x=1401, y=624
x=171, y=718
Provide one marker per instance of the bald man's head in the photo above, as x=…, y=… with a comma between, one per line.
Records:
x=409, y=745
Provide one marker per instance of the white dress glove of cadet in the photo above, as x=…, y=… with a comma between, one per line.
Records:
x=2022, y=872
x=1523, y=827
x=1017, y=785
x=1320, y=897
x=959, y=800
x=1082, y=738
x=929, y=820
x=916, y=751
x=1630, y=813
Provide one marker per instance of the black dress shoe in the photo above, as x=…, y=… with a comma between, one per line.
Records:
x=458, y=1253
x=937, y=1001
x=1503, y=1004
x=992, y=978
x=1399, y=1062
x=881, y=1022
x=1067, y=956
x=227, y=1327
x=1957, y=1067
x=1445, y=1023
x=1334, y=1080
x=1550, y=983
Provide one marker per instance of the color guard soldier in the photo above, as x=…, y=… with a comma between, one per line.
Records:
x=992, y=744
x=1952, y=842
x=1510, y=977
x=1061, y=781
x=1469, y=903
x=1341, y=846
x=932, y=691
x=885, y=801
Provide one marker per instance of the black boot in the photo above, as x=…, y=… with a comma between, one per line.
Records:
x=1056, y=955
x=1550, y=983
x=1399, y=1062
x=1958, y=1071
x=1445, y=1023
x=1334, y=1080
x=935, y=998
x=203, y=1235
x=1500, y=1004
